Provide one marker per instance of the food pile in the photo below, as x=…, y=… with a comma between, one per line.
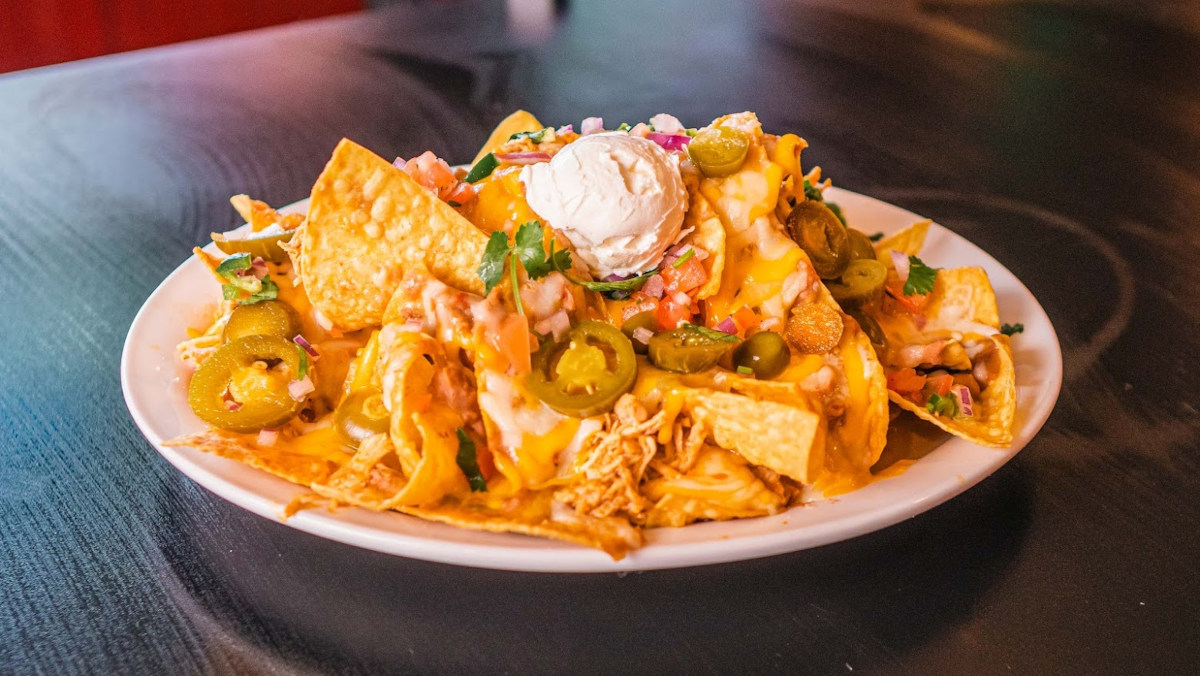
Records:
x=585, y=334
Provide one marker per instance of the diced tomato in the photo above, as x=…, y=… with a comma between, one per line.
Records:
x=638, y=302
x=487, y=463
x=940, y=384
x=671, y=313
x=746, y=319
x=462, y=193
x=905, y=381
x=914, y=303
x=688, y=276
x=513, y=343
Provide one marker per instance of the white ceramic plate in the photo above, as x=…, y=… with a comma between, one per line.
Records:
x=155, y=391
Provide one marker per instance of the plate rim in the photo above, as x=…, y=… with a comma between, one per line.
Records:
x=500, y=551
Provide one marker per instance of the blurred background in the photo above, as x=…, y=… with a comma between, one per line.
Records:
x=43, y=32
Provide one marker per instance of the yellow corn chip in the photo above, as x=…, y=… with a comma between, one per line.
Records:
x=994, y=412
x=513, y=124
x=963, y=296
x=908, y=242
x=720, y=486
x=778, y=436
x=707, y=234
x=367, y=222
x=295, y=467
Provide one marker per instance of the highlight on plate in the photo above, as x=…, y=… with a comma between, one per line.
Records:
x=586, y=334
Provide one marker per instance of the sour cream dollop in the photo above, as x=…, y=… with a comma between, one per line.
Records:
x=618, y=199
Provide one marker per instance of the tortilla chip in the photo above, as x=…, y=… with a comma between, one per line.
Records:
x=778, y=436
x=707, y=234
x=908, y=242
x=513, y=124
x=298, y=468
x=261, y=216
x=367, y=223
x=963, y=296
x=995, y=410
x=720, y=486
x=535, y=513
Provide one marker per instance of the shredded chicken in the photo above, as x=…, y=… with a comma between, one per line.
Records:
x=614, y=460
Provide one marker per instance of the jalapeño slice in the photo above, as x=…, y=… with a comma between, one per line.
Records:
x=822, y=236
x=584, y=373
x=243, y=385
x=719, y=151
x=267, y=318
x=689, y=348
x=360, y=416
x=265, y=247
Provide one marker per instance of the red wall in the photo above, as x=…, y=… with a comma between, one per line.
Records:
x=41, y=32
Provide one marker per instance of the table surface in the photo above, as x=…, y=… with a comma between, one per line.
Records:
x=1063, y=139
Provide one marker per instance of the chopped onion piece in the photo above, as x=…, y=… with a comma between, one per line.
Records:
x=769, y=323
x=643, y=335
x=591, y=125
x=667, y=124
x=321, y=320
x=727, y=326
x=399, y=163
x=312, y=351
x=301, y=388
x=654, y=287
x=681, y=298
x=267, y=437
x=902, y=264
x=965, y=403
x=566, y=129
x=523, y=158
x=557, y=324
x=233, y=405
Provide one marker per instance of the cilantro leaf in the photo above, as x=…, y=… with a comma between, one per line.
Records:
x=683, y=259
x=303, y=363
x=711, y=334
x=920, y=277
x=621, y=288
x=624, y=126
x=939, y=405
x=491, y=266
x=483, y=168
x=1010, y=329
x=269, y=291
x=876, y=237
x=529, y=248
x=811, y=192
x=535, y=136
x=468, y=463
x=837, y=211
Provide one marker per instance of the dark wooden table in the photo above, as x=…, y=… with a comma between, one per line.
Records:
x=1063, y=140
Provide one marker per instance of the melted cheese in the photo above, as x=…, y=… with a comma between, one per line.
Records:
x=500, y=203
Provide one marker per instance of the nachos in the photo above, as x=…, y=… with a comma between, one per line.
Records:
x=586, y=334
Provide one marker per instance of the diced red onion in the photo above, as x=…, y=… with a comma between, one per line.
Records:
x=643, y=335
x=654, y=287
x=557, y=324
x=523, y=158
x=565, y=129
x=670, y=142
x=233, y=405
x=965, y=402
x=769, y=323
x=618, y=278
x=591, y=125
x=902, y=264
x=681, y=298
x=301, y=388
x=312, y=351
x=267, y=437
x=399, y=163
x=727, y=326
